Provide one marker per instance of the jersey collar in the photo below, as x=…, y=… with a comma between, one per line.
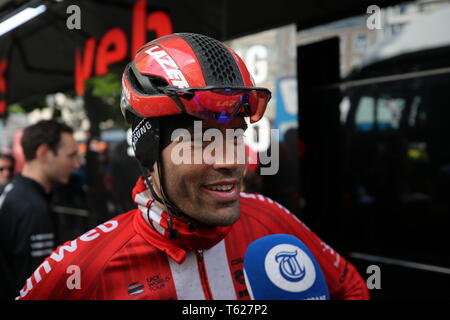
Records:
x=151, y=223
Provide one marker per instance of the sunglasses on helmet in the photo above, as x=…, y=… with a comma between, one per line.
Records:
x=220, y=102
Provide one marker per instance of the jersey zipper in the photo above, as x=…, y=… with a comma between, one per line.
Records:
x=203, y=275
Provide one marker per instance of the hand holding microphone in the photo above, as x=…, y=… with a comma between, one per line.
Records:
x=281, y=267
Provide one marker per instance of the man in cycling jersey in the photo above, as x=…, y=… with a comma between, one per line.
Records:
x=188, y=236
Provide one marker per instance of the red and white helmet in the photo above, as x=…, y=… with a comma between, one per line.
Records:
x=193, y=74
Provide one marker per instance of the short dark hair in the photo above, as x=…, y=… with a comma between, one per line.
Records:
x=8, y=157
x=46, y=132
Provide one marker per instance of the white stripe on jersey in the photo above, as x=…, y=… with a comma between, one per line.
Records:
x=260, y=197
x=41, y=236
x=155, y=217
x=142, y=197
x=42, y=244
x=218, y=271
x=41, y=253
x=186, y=278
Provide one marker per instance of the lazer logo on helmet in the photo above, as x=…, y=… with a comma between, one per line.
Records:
x=169, y=66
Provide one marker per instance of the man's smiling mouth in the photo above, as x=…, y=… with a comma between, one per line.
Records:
x=226, y=190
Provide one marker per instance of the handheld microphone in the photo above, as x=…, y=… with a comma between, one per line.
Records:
x=281, y=267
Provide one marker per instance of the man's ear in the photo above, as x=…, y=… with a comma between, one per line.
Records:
x=43, y=152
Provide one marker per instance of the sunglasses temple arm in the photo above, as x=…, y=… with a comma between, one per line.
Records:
x=178, y=102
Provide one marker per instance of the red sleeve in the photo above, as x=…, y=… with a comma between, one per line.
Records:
x=71, y=271
x=343, y=280
x=57, y=277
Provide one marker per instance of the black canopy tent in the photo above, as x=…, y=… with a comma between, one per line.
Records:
x=38, y=57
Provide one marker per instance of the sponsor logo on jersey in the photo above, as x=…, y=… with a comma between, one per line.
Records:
x=135, y=289
x=157, y=282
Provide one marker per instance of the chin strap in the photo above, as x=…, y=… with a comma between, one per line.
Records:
x=169, y=207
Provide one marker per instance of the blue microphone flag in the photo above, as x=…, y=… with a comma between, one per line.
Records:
x=281, y=267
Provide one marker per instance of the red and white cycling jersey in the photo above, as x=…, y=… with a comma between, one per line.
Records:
x=126, y=258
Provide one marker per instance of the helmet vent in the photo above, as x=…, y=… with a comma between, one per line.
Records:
x=218, y=65
x=145, y=84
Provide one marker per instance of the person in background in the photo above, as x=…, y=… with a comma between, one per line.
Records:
x=7, y=163
x=27, y=226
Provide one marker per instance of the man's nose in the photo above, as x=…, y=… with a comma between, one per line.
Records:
x=224, y=166
x=232, y=158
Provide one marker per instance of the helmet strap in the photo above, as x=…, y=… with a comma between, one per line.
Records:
x=178, y=102
x=173, y=234
x=171, y=207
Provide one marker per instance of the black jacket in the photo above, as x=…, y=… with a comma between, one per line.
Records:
x=27, y=232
